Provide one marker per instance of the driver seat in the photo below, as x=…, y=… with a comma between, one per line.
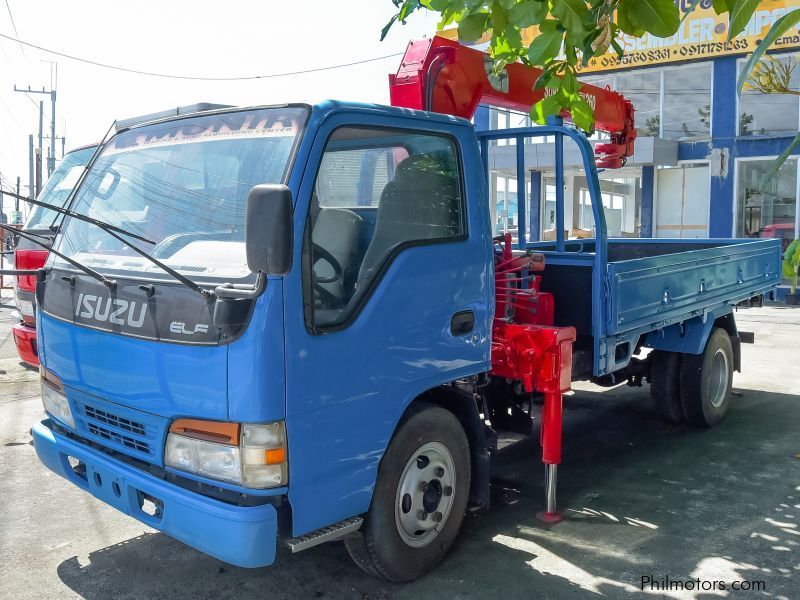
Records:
x=337, y=230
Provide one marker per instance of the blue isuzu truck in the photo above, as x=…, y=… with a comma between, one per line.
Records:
x=292, y=324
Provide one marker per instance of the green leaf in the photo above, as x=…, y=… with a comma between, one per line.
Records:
x=546, y=107
x=582, y=114
x=513, y=37
x=387, y=27
x=571, y=13
x=781, y=26
x=499, y=17
x=617, y=48
x=721, y=6
x=527, y=13
x=543, y=79
x=545, y=47
x=624, y=23
x=778, y=162
x=473, y=26
x=569, y=83
x=659, y=17
x=740, y=13
x=439, y=5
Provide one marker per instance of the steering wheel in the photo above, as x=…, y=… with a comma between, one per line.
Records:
x=321, y=253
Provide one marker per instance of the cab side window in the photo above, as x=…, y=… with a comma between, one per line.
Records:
x=376, y=192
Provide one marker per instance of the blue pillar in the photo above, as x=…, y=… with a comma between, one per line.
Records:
x=481, y=118
x=723, y=132
x=648, y=191
x=535, y=212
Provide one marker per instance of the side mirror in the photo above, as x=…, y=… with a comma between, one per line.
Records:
x=268, y=229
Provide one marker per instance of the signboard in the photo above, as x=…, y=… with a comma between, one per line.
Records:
x=702, y=35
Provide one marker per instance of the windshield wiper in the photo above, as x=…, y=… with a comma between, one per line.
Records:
x=80, y=217
x=117, y=233
x=167, y=269
x=109, y=283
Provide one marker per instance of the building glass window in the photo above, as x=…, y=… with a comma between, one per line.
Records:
x=673, y=103
x=500, y=118
x=687, y=102
x=643, y=89
x=507, y=205
x=621, y=197
x=771, y=212
x=769, y=114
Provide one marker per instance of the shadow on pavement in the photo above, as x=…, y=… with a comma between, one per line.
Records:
x=642, y=499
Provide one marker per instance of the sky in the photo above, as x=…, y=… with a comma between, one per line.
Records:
x=182, y=37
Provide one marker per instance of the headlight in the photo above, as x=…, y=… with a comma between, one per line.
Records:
x=252, y=455
x=55, y=402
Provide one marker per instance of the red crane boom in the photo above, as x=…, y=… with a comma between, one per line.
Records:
x=444, y=76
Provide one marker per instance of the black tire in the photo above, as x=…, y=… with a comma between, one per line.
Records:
x=665, y=388
x=707, y=380
x=380, y=548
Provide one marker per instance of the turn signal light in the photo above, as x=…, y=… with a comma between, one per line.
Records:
x=250, y=454
x=210, y=431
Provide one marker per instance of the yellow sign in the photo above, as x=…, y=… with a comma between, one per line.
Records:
x=702, y=35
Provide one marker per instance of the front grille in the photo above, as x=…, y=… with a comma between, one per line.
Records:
x=118, y=438
x=114, y=420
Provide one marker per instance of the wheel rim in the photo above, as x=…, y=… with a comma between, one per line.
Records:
x=425, y=494
x=718, y=379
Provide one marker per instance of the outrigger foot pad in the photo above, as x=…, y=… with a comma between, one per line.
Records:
x=550, y=518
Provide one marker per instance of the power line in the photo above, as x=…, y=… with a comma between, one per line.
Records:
x=14, y=25
x=198, y=78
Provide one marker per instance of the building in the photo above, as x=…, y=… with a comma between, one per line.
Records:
x=701, y=150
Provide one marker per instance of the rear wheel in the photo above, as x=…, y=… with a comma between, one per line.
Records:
x=665, y=374
x=706, y=381
x=419, y=499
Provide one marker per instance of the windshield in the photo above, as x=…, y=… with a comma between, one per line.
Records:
x=182, y=184
x=57, y=189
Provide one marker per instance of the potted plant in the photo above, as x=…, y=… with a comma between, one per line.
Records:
x=791, y=266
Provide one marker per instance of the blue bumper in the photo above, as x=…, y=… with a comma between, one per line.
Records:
x=242, y=536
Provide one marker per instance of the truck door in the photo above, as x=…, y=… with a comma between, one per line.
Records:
x=390, y=299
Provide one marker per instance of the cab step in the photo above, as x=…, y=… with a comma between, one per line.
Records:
x=326, y=534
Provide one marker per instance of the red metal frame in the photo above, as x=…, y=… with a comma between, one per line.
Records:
x=29, y=260
x=442, y=75
x=25, y=333
x=526, y=346
x=26, y=340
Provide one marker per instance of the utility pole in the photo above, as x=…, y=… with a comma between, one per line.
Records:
x=52, y=145
x=51, y=157
x=31, y=189
x=38, y=176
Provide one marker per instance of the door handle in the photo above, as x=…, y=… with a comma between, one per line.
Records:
x=462, y=323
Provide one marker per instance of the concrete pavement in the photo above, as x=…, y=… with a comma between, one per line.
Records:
x=643, y=499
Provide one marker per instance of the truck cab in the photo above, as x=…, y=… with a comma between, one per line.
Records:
x=388, y=295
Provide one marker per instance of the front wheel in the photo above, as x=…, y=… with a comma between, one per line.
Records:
x=707, y=380
x=419, y=499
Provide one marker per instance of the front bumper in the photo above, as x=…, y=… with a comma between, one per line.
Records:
x=25, y=339
x=242, y=536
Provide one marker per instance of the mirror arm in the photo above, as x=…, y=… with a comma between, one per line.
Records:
x=238, y=291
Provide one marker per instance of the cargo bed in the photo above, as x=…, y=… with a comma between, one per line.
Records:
x=621, y=293
x=649, y=284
